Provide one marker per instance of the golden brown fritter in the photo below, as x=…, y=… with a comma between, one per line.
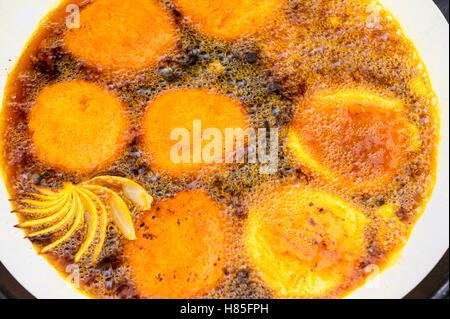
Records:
x=351, y=136
x=122, y=34
x=180, y=247
x=77, y=126
x=229, y=19
x=178, y=109
x=303, y=243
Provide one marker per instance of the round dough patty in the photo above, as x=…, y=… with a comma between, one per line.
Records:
x=77, y=125
x=229, y=19
x=122, y=34
x=303, y=243
x=178, y=109
x=355, y=137
x=180, y=247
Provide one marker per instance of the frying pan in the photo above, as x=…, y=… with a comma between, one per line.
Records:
x=24, y=274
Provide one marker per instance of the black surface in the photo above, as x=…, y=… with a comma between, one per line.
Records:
x=10, y=288
x=434, y=286
x=444, y=6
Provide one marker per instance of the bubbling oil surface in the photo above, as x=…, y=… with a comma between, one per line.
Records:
x=332, y=44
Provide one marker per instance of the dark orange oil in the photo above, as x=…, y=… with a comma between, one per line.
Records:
x=311, y=45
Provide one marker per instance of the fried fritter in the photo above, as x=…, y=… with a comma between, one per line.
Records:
x=77, y=126
x=122, y=34
x=180, y=247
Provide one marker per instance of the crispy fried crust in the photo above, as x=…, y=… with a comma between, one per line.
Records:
x=77, y=126
x=178, y=109
x=122, y=34
x=303, y=243
x=229, y=19
x=180, y=247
